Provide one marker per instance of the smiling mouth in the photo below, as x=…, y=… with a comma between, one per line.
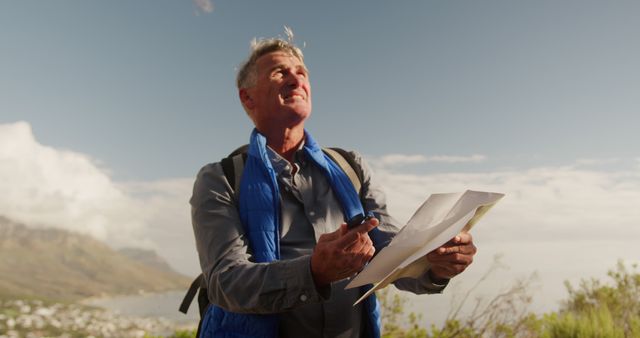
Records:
x=294, y=97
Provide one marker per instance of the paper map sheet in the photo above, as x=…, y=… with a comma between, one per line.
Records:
x=439, y=219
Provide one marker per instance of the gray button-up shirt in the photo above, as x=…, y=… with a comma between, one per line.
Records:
x=309, y=209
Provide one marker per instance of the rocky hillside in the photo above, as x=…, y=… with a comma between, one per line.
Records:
x=59, y=265
x=147, y=257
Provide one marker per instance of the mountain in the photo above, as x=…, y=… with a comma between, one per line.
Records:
x=147, y=257
x=61, y=265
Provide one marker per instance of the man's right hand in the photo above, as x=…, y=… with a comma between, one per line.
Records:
x=342, y=253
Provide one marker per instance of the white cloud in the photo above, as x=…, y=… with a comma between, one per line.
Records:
x=204, y=5
x=396, y=160
x=169, y=220
x=45, y=186
x=456, y=159
x=401, y=159
x=558, y=200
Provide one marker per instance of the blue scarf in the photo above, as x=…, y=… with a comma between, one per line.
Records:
x=259, y=207
x=260, y=199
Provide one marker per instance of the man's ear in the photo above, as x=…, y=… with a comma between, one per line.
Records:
x=246, y=99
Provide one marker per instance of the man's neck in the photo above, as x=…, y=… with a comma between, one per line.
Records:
x=286, y=142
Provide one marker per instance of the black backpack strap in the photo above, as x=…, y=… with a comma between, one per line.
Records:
x=191, y=293
x=232, y=167
x=203, y=304
x=240, y=150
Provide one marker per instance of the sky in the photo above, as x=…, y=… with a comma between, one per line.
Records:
x=108, y=110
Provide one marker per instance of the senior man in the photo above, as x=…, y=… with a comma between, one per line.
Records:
x=276, y=254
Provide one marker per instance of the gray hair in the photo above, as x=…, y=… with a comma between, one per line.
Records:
x=247, y=73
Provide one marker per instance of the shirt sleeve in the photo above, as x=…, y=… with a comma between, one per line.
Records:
x=374, y=200
x=234, y=281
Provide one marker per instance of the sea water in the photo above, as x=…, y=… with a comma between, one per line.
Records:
x=159, y=305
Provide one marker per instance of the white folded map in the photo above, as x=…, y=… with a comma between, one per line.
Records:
x=440, y=218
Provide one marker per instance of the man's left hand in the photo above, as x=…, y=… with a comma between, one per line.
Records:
x=453, y=257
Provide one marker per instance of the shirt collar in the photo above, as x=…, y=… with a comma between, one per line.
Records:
x=280, y=164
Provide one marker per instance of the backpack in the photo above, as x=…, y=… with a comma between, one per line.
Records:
x=232, y=166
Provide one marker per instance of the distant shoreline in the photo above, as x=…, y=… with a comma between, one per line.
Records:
x=149, y=304
x=140, y=293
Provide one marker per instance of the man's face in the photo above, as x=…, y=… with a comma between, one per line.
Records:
x=281, y=97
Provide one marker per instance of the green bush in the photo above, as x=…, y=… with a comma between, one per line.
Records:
x=177, y=334
x=594, y=309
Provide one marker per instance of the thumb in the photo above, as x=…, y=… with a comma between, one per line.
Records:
x=367, y=226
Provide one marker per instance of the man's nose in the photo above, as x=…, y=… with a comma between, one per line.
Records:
x=295, y=80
